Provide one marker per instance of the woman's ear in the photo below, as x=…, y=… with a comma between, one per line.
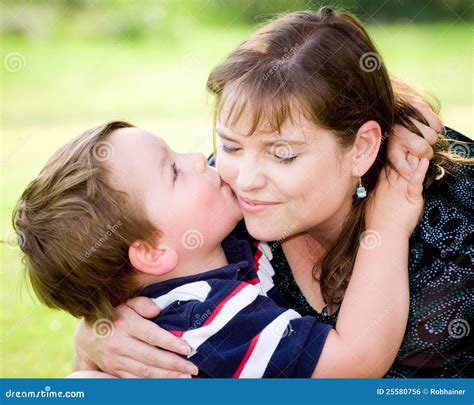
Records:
x=366, y=147
x=154, y=260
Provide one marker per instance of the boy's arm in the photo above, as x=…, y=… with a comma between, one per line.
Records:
x=374, y=313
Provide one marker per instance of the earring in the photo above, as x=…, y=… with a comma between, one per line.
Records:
x=361, y=191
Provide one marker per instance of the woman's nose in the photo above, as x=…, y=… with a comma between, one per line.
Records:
x=250, y=177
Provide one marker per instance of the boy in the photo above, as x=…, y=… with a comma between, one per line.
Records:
x=115, y=212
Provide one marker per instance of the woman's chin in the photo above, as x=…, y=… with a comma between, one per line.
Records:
x=262, y=232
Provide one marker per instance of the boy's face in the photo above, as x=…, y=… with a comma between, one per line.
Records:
x=183, y=196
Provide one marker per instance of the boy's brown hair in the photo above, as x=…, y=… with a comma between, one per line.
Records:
x=75, y=229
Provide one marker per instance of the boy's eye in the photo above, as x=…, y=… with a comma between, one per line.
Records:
x=229, y=150
x=175, y=172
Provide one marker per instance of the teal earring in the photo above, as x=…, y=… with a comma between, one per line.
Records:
x=361, y=191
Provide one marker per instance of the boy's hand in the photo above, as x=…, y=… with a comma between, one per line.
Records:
x=397, y=203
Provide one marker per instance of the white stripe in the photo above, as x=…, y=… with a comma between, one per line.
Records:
x=196, y=337
x=263, y=246
x=265, y=269
x=198, y=290
x=266, y=345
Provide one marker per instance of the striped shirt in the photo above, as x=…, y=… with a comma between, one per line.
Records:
x=233, y=322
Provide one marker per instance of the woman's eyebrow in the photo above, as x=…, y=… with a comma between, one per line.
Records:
x=283, y=140
x=222, y=134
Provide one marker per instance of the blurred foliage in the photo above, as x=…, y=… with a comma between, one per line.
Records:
x=137, y=19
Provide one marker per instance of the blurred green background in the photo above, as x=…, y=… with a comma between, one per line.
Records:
x=69, y=65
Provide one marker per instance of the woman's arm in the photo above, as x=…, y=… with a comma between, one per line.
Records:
x=374, y=312
x=136, y=348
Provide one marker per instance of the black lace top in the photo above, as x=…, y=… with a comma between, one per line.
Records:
x=439, y=340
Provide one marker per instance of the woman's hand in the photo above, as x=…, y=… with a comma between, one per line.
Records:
x=404, y=145
x=136, y=347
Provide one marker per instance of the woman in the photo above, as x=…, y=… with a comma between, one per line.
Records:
x=304, y=111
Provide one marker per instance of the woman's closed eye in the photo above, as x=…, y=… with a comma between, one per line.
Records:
x=226, y=149
x=285, y=159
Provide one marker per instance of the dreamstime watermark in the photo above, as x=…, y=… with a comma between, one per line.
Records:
x=103, y=328
x=47, y=392
x=281, y=328
x=286, y=56
x=14, y=239
x=192, y=62
x=192, y=239
x=14, y=62
x=102, y=151
x=458, y=328
x=200, y=319
x=460, y=149
x=370, y=62
x=100, y=242
x=288, y=231
x=282, y=150
x=370, y=239
x=366, y=331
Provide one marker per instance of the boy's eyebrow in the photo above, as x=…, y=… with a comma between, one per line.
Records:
x=163, y=160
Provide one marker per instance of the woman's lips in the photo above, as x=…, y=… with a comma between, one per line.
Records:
x=255, y=206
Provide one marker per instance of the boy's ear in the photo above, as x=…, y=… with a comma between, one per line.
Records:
x=366, y=147
x=154, y=260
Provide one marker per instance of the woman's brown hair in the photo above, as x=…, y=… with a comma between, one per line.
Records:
x=75, y=229
x=324, y=65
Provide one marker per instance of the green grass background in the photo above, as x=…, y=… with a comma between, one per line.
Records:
x=69, y=84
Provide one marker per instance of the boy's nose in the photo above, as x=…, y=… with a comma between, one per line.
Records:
x=200, y=162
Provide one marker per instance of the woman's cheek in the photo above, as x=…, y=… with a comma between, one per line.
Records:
x=227, y=169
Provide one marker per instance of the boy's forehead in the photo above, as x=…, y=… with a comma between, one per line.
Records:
x=140, y=135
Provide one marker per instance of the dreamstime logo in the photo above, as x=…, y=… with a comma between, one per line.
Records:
x=192, y=239
x=103, y=328
x=14, y=62
x=370, y=239
x=460, y=149
x=282, y=150
x=280, y=62
x=103, y=151
x=281, y=328
x=458, y=328
x=100, y=242
x=370, y=61
x=15, y=239
x=192, y=61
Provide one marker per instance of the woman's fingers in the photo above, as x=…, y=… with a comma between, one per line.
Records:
x=415, y=185
x=144, y=306
x=151, y=333
x=157, y=358
x=134, y=369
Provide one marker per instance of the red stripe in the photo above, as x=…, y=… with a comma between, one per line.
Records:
x=256, y=259
x=178, y=333
x=254, y=281
x=223, y=302
x=252, y=345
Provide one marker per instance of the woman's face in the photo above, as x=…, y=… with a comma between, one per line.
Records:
x=294, y=181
